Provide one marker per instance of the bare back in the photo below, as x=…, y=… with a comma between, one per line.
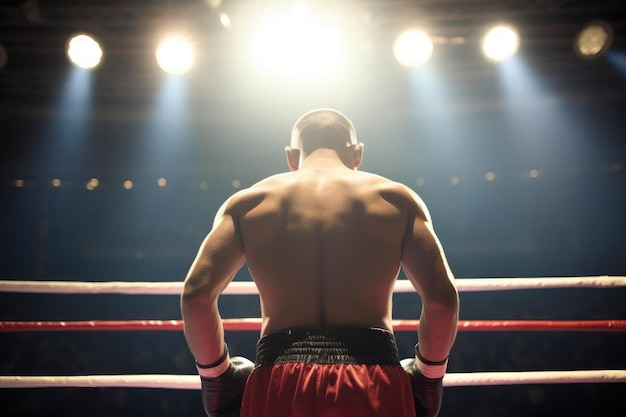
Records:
x=324, y=244
x=324, y=247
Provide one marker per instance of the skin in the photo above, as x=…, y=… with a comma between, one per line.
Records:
x=324, y=244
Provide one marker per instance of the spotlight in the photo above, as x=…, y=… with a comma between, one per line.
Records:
x=295, y=45
x=500, y=43
x=225, y=20
x=92, y=184
x=175, y=55
x=84, y=51
x=413, y=48
x=593, y=40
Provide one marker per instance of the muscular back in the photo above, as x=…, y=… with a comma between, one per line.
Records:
x=324, y=246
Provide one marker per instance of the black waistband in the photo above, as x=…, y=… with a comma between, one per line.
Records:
x=365, y=346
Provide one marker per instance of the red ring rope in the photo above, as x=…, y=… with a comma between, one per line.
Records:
x=254, y=324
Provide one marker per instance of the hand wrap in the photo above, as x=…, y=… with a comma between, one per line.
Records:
x=426, y=383
x=222, y=394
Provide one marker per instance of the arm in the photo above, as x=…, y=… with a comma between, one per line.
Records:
x=426, y=267
x=219, y=258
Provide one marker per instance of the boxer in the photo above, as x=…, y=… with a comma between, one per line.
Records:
x=324, y=244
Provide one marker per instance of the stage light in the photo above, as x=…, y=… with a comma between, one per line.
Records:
x=500, y=43
x=84, y=51
x=533, y=173
x=175, y=55
x=593, y=40
x=413, y=48
x=292, y=48
x=296, y=43
x=92, y=184
x=225, y=20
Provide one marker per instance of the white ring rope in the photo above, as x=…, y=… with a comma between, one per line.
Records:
x=192, y=382
x=248, y=287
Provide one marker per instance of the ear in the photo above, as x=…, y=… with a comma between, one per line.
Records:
x=357, y=155
x=293, y=158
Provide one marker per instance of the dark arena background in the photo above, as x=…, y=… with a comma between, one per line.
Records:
x=115, y=173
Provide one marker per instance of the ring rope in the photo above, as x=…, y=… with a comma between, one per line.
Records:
x=248, y=287
x=254, y=324
x=192, y=382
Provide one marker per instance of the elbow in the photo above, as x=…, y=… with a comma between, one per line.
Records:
x=451, y=300
x=188, y=300
x=445, y=301
x=189, y=291
x=195, y=296
x=195, y=305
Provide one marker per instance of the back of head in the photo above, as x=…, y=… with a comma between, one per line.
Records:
x=322, y=128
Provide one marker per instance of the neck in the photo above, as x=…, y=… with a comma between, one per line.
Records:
x=322, y=159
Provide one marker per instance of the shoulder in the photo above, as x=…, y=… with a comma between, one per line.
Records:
x=253, y=194
x=400, y=194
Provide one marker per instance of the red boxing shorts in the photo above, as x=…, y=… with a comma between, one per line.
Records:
x=328, y=373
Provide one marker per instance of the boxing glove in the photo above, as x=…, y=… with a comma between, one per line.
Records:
x=427, y=391
x=221, y=395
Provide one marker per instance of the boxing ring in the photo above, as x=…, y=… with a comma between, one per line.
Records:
x=192, y=382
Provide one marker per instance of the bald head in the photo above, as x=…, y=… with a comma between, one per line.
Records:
x=323, y=128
